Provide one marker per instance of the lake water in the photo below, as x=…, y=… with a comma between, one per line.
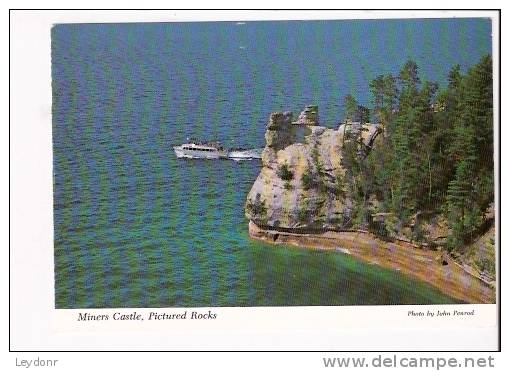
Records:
x=136, y=227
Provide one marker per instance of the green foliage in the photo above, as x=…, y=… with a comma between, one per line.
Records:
x=363, y=114
x=309, y=179
x=315, y=180
x=487, y=263
x=471, y=150
x=316, y=160
x=337, y=188
x=284, y=173
x=380, y=230
x=308, y=212
x=384, y=91
x=351, y=105
x=257, y=208
x=417, y=233
x=354, y=111
x=435, y=154
x=304, y=215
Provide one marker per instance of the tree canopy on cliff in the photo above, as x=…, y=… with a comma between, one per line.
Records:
x=436, y=154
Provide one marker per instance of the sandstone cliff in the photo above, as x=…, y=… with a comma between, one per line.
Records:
x=301, y=183
x=309, y=116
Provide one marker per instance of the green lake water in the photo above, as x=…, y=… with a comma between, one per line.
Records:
x=137, y=227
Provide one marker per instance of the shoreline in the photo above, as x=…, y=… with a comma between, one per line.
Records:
x=418, y=263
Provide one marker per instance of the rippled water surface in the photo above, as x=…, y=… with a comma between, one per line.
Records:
x=136, y=227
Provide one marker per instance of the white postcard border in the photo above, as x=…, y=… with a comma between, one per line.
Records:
x=36, y=325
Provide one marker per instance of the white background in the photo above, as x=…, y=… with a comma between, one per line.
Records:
x=30, y=179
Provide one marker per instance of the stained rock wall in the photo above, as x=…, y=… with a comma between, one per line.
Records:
x=301, y=184
x=309, y=116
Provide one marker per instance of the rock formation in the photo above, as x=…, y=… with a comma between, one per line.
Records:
x=278, y=134
x=309, y=116
x=301, y=184
x=300, y=197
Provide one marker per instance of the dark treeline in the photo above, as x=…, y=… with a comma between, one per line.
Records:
x=435, y=154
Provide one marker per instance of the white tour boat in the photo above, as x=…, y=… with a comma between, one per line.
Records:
x=200, y=150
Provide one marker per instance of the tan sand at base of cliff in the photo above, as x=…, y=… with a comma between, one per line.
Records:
x=421, y=264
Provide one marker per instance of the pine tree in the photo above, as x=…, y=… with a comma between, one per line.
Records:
x=435, y=152
x=384, y=91
x=351, y=107
x=471, y=189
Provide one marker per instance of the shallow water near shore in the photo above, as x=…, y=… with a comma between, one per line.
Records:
x=137, y=227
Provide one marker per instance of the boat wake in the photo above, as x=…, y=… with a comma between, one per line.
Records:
x=244, y=154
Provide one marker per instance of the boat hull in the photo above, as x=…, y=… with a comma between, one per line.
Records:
x=186, y=153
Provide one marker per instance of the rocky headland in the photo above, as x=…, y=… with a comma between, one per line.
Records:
x=301, y=197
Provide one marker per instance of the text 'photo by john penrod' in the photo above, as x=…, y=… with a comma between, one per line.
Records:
x=273, y=163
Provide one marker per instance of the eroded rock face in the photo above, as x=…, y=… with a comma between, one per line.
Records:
x=301, y=184
x=278, y=134
x=309, y=116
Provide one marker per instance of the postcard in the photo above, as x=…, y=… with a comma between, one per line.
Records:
x=200, y=168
